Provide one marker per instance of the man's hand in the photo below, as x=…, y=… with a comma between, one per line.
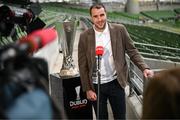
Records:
x=148, y=73
x=91, y=95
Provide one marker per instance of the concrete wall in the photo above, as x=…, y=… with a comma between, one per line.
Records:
x=132, y=6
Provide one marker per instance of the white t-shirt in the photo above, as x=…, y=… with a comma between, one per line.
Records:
x=108, y=72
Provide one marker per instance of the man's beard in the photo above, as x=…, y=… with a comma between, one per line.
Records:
x=101, y=28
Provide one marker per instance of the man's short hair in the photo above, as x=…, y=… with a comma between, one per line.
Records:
x=97, y=6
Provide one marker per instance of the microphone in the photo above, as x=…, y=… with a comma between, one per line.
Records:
x=99, y=53
x=99, y=50
x=38, y=39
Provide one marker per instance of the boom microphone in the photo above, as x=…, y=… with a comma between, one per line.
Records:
x=26, y=45
x=38, y=39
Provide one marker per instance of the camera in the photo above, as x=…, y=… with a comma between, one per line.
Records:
x=23, y=15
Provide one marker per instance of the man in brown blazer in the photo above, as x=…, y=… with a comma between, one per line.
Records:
x=116, y=41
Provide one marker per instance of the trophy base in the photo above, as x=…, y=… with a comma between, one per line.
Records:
x=72, y=72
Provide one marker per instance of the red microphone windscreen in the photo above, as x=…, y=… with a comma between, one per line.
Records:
x=99, y=50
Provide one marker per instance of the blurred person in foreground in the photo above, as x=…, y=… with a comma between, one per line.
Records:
x=162, y=96
x=116, y=41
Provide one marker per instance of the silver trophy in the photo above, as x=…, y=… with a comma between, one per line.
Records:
x=67, y=42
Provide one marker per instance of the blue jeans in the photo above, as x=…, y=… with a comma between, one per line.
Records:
x=113, y=92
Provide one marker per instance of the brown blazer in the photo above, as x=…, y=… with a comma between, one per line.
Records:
x=121, y=44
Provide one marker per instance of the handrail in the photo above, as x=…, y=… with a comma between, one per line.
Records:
x=135, y=81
